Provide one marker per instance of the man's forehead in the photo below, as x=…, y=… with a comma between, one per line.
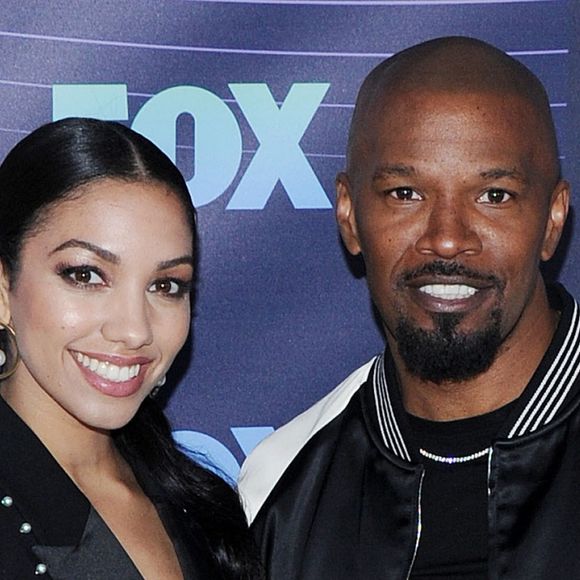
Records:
x=485, y=146
x=417, y=105
x=435, y=114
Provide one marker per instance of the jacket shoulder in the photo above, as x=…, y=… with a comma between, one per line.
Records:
x=272, y=457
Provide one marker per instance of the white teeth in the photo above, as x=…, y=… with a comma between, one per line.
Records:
x=108, y=370
x=448, y=291
x=113, y=372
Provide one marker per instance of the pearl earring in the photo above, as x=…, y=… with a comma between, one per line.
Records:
x=158, y=386
x=9, y=351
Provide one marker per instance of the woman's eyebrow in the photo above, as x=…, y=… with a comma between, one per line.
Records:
x=114, y=259
x=166, y=264
x=101, y=252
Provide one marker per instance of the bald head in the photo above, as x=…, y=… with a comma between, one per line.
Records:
x=457, y=66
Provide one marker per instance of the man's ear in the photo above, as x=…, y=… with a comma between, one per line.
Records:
x=345, y=214
x=558, y=211
x=5, y=313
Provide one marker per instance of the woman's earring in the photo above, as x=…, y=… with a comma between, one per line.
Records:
x=9, y=356
x=158, y=386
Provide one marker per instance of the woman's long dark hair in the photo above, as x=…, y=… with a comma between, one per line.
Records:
x=51, y=165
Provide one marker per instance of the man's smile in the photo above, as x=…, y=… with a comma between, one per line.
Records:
x=451, y=295
x=448, y=291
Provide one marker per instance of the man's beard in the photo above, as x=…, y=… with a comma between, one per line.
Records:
x=445, y=355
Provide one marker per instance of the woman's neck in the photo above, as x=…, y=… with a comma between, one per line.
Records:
x=80, y=450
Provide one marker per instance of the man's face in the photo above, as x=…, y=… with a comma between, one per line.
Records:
x=452, y=209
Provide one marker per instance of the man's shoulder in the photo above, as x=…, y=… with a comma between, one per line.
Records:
x=268, y=462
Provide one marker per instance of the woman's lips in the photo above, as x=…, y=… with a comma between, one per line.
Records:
x=112, y=375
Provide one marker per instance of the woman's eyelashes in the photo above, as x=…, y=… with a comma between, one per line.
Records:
x=90, y=277
x=82, y=276
x=171, y=287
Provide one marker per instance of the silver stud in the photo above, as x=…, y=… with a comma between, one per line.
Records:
x=40, y=569
x=6, y=501
x=25, y=528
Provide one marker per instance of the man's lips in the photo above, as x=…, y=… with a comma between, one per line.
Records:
x=449, y=296
x=452, y=287
x=449, y=291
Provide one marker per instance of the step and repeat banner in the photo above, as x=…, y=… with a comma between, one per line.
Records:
x=253, y=99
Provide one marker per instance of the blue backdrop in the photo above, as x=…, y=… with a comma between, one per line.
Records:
x=253, y=100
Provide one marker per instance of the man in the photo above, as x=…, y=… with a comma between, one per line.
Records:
x=456, y=453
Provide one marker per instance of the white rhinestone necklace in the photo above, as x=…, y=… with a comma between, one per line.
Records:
x=454, y=459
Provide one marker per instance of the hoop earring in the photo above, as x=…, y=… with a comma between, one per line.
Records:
x=9, y=355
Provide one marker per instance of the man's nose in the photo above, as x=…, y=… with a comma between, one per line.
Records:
x=449, y=232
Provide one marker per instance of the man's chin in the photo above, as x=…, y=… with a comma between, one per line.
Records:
x=446, y=354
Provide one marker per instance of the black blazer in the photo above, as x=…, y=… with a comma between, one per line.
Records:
x=48, y=528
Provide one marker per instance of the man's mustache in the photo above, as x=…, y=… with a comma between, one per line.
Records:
x=444, y=268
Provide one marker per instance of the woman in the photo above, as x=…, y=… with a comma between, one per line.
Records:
x=97, y=255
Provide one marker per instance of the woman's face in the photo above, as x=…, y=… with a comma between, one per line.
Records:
x=100, y=305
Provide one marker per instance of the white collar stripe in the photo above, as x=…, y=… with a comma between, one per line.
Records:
x=380, y=405
x=564, y=385
x=557, y=387
x=563, y=396
x=558, y=377
x=386, y=417
x=564, y=351
x=392, y=436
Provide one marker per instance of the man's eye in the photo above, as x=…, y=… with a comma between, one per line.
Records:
x=404, y=194
x=495, y=196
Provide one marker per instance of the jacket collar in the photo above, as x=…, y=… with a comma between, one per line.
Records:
x=39, y=486
x=551, y=389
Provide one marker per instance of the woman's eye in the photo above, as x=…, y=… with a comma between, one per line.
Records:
x=495, y=196
x=169, y=287
x=404, y=194
x=82, y=276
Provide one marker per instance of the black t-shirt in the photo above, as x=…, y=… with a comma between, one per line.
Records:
x=454, y=528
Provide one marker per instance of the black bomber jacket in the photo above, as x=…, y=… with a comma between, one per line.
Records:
x=336, y=493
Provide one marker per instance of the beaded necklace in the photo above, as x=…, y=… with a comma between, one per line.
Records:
x=454, y=459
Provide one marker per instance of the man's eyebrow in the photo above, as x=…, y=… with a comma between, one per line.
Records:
x=499, y=172
x=101, y=252
x=394, y=169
